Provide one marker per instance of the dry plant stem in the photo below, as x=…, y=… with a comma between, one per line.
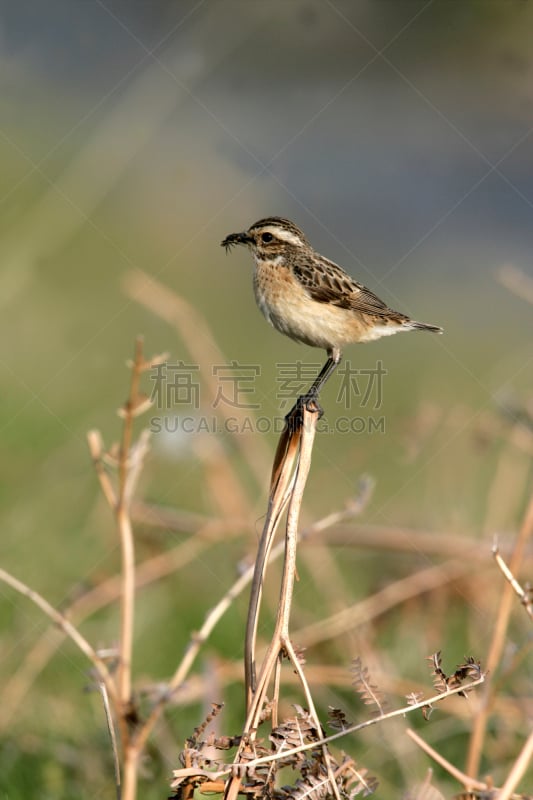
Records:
x=127, y=607
x=103, y=595
x=197, y=641
x=508, y=575
x=281, y=630
x=280, y=644
x=112, y=735
x=62, y=622
x=130, y=459
x=213, y=617
x=281, y=634
x=279, y=497
x=276, y=691
x=519, y=767
x=96, y=448
x=146, y=573
x=126, y=535
x=465, y=780
x=497, y=645
x=312, y=712
x=399, y=712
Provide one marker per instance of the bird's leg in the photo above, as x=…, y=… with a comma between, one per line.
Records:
x=334, y=357
x=310, y=398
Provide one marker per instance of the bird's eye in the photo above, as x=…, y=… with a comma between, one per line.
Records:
x=266, y=237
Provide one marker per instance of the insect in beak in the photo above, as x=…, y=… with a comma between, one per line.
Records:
x=236, y=238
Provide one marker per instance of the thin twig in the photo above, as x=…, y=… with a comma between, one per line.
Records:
x=518, y=770
x=496, y=646
x=126, y=534
x=197, y=641
x=399, y=712
x=199, y=638
x=147, y=572
x=525, y=597
x=63, y=623
x=112, y=736
x=285, y=754
x=281, y=489
x=296, y=444
x=96, y=449
x=289, y=649
x=465, y=780
x=308, y=431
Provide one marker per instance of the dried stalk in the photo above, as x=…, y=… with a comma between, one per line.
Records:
x=296, y=444
x=129, y=464
x=518, y=770
x=126, y=535
x=280, y=494
x=496, y=646
x=524, y=597
x=206, y=531
x=112, y=736
x=236, y=768
x=465, y=780
x=398, y=712
x=63, y=623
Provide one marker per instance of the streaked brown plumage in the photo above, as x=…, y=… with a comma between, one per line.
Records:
x=310, y=298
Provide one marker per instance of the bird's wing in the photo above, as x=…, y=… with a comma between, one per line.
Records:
x=326, y=282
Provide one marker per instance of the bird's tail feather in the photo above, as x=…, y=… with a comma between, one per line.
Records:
x=423, y=326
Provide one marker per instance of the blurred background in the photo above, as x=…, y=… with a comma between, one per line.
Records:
x=135, y=136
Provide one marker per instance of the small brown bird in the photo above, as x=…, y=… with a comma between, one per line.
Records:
x=310, y=298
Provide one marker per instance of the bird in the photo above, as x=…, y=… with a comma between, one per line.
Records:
x=311, y=299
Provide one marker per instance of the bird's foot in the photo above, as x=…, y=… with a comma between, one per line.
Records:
x=309, y=401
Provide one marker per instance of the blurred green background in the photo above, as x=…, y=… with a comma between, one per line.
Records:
x=135, y=136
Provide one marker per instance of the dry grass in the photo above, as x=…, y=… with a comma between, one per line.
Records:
x=273, y=738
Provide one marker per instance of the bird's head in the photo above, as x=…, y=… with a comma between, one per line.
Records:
x=268, y=237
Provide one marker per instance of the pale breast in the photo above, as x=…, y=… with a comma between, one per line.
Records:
x=289, y=308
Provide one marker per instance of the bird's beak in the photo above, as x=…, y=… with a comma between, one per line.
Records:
x=236, y=238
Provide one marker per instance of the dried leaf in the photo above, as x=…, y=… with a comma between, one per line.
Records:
x=294, y=732
x=414, y=698
x=469, y=670
x=367, y=691
x=216, y=708
x=440, y=678
x=337, y=719
x=355, y=780
x=310, y=788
